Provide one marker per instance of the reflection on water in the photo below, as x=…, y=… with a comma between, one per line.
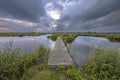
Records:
x=79, y=49
x=27, y=44
x=83, y=46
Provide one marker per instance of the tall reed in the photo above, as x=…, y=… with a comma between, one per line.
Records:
x=13, y=65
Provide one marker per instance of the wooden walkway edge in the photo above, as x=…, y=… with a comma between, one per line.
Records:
x=59, y=55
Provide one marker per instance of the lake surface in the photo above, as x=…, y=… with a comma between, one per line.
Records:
x=83, y=46
x=27, y=44
x=79, y=49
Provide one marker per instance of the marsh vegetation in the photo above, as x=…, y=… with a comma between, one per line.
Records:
x=103, y=64
x=20, y=34
x=13, y=65
x=69, y=38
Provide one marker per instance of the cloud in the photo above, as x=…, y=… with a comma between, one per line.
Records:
x=30, y=10
x=94, y=15
x=87, y=10
x=101, y=8
x=67, y=15
x=3, y=29
x=21, y=22
x=108, y=23
x=11, y=26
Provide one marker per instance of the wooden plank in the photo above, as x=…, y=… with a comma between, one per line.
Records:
x=59, y=55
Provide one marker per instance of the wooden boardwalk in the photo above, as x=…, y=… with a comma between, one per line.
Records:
x=59, y=55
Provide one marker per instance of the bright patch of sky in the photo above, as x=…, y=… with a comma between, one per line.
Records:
x=52, y=12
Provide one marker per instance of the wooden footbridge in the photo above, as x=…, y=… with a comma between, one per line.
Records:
x=59, y=55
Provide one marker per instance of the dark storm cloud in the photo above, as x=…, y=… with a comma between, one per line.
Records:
x=14, y=27
x=22, y=9
x=75, y=15
x=93, y=9
x=102, y=8
x=108, y=23
x=101, y=16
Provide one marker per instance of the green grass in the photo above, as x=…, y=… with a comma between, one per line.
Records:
x=12, y=65
x=69, y=38
x=103, y=64
x=35, y=73
x=20, y=34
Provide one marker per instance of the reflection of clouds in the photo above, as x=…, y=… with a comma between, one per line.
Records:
x=94, y=42
x=90, y=40
x=27, y=44
x=52, y=44
x=83, y=46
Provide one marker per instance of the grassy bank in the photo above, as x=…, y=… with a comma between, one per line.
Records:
x=20, y=34
x=103, y=64
x=68, y=37
x=114, y=37
x=13, y=66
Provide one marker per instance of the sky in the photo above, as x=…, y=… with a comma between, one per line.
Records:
x=59, y=15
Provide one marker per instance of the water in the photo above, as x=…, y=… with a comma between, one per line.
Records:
x=79, y=49
x=27, y=44
x=83, y=46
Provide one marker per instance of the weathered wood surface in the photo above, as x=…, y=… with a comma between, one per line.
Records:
x=59, y=55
